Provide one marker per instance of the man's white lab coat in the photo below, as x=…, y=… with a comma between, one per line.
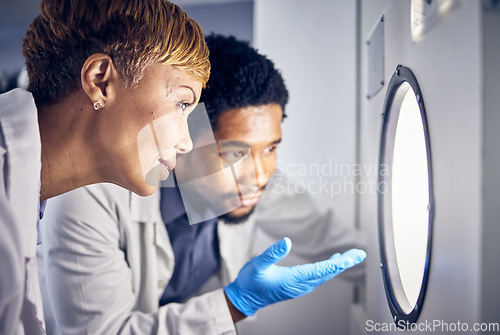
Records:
x=107, y=259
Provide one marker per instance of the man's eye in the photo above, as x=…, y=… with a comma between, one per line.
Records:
x=270, y=149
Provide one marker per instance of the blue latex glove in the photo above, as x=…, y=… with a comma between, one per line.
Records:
x=261, y=283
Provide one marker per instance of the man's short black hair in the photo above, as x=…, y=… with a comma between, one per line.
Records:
x=240, y=77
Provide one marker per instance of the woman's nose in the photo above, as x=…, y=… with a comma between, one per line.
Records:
x=185, y=145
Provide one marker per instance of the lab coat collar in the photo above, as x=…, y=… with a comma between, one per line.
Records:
x=145, y=209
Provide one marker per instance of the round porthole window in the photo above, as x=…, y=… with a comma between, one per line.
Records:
x=405, y=204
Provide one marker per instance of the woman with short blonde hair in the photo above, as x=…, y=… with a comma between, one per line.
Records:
x=100, y=72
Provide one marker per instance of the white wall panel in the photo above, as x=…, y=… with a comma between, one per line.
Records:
x=313, y=43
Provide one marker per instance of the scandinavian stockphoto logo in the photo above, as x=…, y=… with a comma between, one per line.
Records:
x=332, y=178
x=213, y=179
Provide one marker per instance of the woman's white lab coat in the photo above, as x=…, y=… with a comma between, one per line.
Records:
x=20, y=166
x=105, y=260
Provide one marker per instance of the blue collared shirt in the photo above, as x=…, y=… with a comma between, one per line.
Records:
x=196, y=248
x=41, y=210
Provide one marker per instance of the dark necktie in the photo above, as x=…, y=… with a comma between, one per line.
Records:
x=196, y=248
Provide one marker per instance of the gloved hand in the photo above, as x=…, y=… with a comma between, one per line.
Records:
x=261, y=283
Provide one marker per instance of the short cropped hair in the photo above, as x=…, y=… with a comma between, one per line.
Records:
x=240, y=77
x=134, y=33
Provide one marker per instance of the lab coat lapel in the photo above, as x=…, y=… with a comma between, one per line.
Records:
x=153, y=261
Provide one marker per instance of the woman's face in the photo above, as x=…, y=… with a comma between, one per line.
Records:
x=144, y=127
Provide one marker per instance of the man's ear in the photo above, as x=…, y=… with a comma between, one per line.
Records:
x=97, y=75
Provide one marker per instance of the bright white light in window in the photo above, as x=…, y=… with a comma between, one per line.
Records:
x=410, y=197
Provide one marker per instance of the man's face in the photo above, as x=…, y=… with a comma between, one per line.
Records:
x=259, y=128
x=226, y=179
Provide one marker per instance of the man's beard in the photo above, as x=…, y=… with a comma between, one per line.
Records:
x=231, y=219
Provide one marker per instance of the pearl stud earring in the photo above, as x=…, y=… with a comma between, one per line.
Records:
x=98, y=105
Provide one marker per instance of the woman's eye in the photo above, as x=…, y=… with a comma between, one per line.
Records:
x=183, y=106
x=233, y=156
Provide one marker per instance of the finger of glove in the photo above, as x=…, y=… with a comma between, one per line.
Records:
x=320, y=271
x=357, y=255
x=329, y=268
x=337, y=255
x=347, y=260
x=273, y=254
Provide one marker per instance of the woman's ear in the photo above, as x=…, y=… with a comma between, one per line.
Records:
x=97, y=74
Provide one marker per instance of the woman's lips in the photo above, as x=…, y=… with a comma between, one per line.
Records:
x=165, y=165
x=168, y=163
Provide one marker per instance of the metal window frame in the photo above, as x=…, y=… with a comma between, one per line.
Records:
x=403, y=314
